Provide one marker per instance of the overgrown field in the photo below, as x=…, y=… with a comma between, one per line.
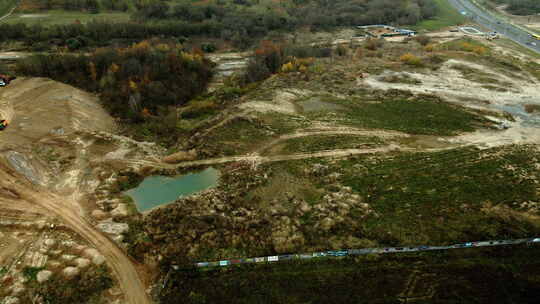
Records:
x=446, y=16
x=58, y=17
x=6, y=6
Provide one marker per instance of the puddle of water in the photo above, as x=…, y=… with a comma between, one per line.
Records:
x=316, y=104
x=159, y=190
x=525, y=119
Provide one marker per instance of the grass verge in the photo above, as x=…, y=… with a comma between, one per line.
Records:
x=53, y=17
x=447, y=15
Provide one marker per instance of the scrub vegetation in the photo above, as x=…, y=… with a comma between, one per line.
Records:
x=238, y=23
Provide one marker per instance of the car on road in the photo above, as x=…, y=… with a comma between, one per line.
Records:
x=423, y=247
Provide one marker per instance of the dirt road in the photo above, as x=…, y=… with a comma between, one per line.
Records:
x=257, y=159
x=64, y=209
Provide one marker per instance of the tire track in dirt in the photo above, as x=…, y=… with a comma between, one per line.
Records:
x=122, y=266
x=257, y=159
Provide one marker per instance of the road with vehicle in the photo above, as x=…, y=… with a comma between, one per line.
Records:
x=496, y=24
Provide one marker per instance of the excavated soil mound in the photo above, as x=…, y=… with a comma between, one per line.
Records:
x=38, y=107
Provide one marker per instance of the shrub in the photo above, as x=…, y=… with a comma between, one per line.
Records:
x=374, y=44
x=410, y=59
x=480, y=50
x=198, y=108
x=359, y=53
x=341, y=50
x=423, y=39
x=208, y=47
x=429, y=48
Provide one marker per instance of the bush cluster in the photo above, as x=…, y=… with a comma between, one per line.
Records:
x=141, y=80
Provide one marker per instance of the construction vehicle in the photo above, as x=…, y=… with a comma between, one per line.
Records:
x=492, y=35
x=3, y=124
x=6, y=79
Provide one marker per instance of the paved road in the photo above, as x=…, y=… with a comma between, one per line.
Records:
x=347, y=252
x=496, y=24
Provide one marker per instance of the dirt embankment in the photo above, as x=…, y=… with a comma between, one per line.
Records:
x=48, y=114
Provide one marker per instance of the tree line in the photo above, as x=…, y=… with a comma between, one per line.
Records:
x=244, y=15
x=521, y=7
x=240, y=24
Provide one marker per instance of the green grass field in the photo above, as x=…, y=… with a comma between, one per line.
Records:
x=446, y=196
x=446, y=16
x=6, y=6
x=64, y=17
x=427, y=117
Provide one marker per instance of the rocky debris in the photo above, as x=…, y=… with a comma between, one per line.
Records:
x=286, y=236
x=11, y=300
x=94, y=255
x=49, y=242
x=70, y=272
x=120, y=211
x=68, y=257
x=118, y=238
x=20, y=163
x=17, y=289
x=98, y=260
x=318, y=170
x=54, y=264
x=59, y=131
x=111, y=227
x=180, y=157
x=44, y=276
x=99, y=214
x=82, y=262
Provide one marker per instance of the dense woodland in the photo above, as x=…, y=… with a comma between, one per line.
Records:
x=135, y=83
x=240, y=22
x=521, y=7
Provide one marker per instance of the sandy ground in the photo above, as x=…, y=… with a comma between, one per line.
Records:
x=449, y=83
x=41, y=111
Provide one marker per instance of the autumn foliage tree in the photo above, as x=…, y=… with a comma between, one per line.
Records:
x=147, y=75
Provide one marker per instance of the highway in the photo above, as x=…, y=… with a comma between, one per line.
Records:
x=489, y=20
x=364, y=251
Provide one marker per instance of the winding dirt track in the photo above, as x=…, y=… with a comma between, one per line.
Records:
x=63, y=208
x=45, y=104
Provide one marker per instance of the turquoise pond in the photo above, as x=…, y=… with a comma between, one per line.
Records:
x=155, y=191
